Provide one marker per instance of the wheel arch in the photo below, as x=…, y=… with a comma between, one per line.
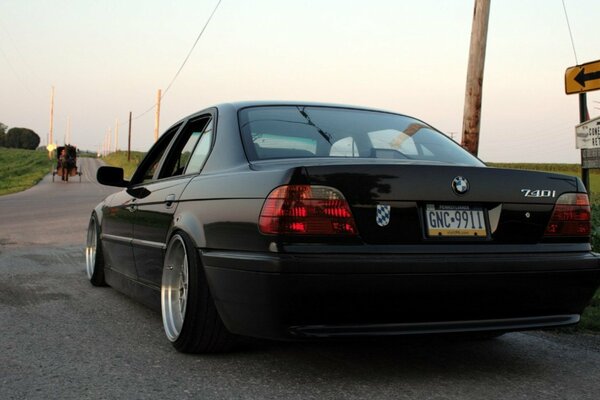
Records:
x=189, y=223
x=202, y=329
x=98, y=214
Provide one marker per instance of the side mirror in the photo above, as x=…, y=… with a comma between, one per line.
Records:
x=111, y=176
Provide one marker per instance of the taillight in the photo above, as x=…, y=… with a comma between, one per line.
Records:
x=306, y=210
x=571, y=216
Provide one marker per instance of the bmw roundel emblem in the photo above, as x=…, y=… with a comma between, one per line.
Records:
x=460, y=185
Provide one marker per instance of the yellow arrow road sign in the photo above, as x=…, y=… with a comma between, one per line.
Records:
x=583, y=78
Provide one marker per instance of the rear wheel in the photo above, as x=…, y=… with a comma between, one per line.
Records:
x=94, y=259
x=190, y=318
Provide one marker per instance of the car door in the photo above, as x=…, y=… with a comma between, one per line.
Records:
x=117, y=233
x=119, y=211
x=154, y=213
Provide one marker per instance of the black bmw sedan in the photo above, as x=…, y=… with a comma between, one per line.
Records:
x=298, y=221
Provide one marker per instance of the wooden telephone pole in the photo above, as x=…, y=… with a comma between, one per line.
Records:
x=116, y=135
x=129, y=140
x=51, y=133
x=108, y=145
x=473, y=94
x=51, y=116
x=157, y=116
x=68, y=133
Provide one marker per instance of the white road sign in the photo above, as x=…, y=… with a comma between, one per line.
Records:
x=587, y=134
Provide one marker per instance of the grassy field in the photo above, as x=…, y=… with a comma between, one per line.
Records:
x=21, y=169
x=119, y=159
x=567, y=169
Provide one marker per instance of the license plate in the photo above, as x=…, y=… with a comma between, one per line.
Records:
x=455, y=221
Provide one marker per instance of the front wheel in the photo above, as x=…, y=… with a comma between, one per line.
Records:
x=190, y=319
x=94, y=259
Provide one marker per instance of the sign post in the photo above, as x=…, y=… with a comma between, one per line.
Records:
x=581, y=79
x=583, y=116
x=51, y=147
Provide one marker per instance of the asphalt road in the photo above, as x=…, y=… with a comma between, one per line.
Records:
x=60, y=338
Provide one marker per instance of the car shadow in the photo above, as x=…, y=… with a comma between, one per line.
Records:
x=409, y=358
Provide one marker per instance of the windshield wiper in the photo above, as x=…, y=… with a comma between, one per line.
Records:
x=326, y=136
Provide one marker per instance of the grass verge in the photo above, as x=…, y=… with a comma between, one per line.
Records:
x=119, y=159
x=566, y=169
x=590, y=320
x=21, y=169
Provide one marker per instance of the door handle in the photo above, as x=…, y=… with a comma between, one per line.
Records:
x=169, y=200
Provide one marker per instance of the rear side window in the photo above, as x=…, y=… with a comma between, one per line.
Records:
x=183, y=150
x=277, y=132
x=201, y=151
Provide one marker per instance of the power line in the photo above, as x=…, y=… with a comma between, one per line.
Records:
x=570, y=33
x=18, y=51
x=14, y=70
x=191, y=50
x=17, y=75
x=183, y=63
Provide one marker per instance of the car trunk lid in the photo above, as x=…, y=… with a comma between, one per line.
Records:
x=398, y=204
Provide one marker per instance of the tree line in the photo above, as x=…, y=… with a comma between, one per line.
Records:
x=18, y=138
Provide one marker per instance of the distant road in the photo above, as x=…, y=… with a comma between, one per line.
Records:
x=60, y=338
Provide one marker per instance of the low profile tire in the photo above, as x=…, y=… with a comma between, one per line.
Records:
x=94, y=259
x=190, y=318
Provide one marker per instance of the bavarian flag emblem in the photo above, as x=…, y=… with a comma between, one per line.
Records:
x=383, y=214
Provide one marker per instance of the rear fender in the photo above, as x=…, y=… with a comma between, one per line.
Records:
x=189, y=223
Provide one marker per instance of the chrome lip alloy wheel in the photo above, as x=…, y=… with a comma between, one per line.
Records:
x=91, y=248
x=174, y=289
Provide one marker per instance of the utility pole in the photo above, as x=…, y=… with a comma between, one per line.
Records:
x=108, y=135
x=50, y=137
x=473, y=93
x=157, y=116
x=116, y=135
x=129, y=140
x=52, y=116
x=68, y=135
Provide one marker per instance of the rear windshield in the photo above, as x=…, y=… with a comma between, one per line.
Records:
x=277, y=132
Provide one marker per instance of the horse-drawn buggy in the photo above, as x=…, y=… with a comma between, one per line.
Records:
x=66, y=163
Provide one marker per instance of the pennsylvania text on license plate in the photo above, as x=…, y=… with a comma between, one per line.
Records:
x=454, y=220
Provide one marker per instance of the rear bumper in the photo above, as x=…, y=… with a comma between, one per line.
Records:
x=328, y=295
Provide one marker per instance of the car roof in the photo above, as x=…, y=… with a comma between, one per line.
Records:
x=228, y=108
x=238, y=105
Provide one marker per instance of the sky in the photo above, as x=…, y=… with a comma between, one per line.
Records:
x=107, y=58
